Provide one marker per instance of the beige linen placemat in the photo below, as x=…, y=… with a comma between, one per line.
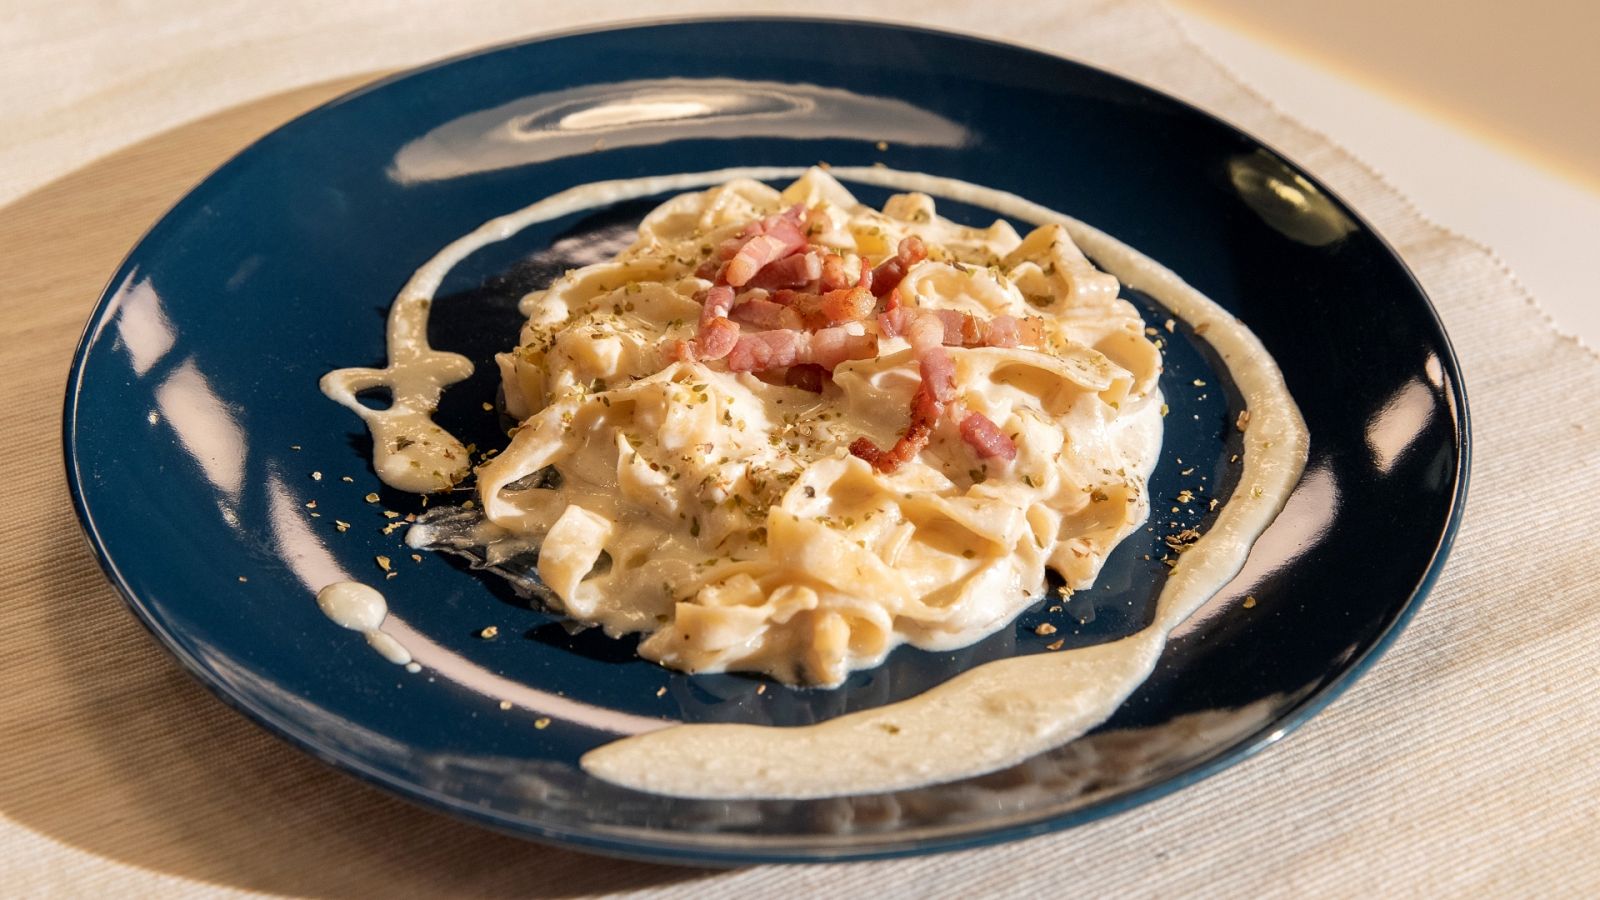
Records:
x=1465, y=762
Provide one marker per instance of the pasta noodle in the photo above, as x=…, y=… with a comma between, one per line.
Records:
x=740, y=518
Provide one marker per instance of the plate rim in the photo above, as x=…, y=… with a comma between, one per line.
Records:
x=658, y=847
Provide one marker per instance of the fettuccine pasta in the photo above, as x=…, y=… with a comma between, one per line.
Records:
x=784, y=432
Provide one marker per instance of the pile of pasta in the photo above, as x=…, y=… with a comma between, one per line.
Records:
x=730, y=442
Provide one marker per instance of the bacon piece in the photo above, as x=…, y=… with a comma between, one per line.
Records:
x=716, y=334
x=886, y=277
x=899, y=321
x=938, y=388
x=760, y=243
x=788, y=226
x=892, y=321
x=848, y=305
x=864, y=448
x=717, y=339
x=1009, y=331
x=986, y=438
x=752, y=257
x=831, y=346
x=718, y=301
x=833, y=308
x=939, y=373
x=765, y=350
x=842, y=300
x=927, y=405
x=779, y=349
x=760, y=313
x=925, y=412
x=892, y=303
x=836, y=276
x=938, y=370
x=794, y=271
x=963, y=329
x=806, y=376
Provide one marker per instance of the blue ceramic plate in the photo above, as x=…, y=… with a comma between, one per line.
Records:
x=194, y=427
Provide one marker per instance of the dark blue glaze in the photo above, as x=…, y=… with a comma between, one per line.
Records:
x=193, y=420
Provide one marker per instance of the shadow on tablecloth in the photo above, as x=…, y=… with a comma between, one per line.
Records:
x=107, y=746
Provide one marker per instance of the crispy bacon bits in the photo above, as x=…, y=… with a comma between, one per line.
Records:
x=826, y=348
x=836, y=307
x=717, y=334
x=887, y=276
x=803, y=303
x=762, y=242
x=961, y=329
x=929, y=331
x=925, y=334
x=986, y=438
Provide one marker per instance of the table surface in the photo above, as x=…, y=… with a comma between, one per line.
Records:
x=1458, y=765
x=1462, y=174
x=1519, y=75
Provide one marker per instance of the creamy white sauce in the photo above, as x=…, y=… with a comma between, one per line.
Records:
x=353, y=605
x=982, y=720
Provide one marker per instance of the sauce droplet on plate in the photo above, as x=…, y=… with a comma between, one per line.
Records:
x=353, y=605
